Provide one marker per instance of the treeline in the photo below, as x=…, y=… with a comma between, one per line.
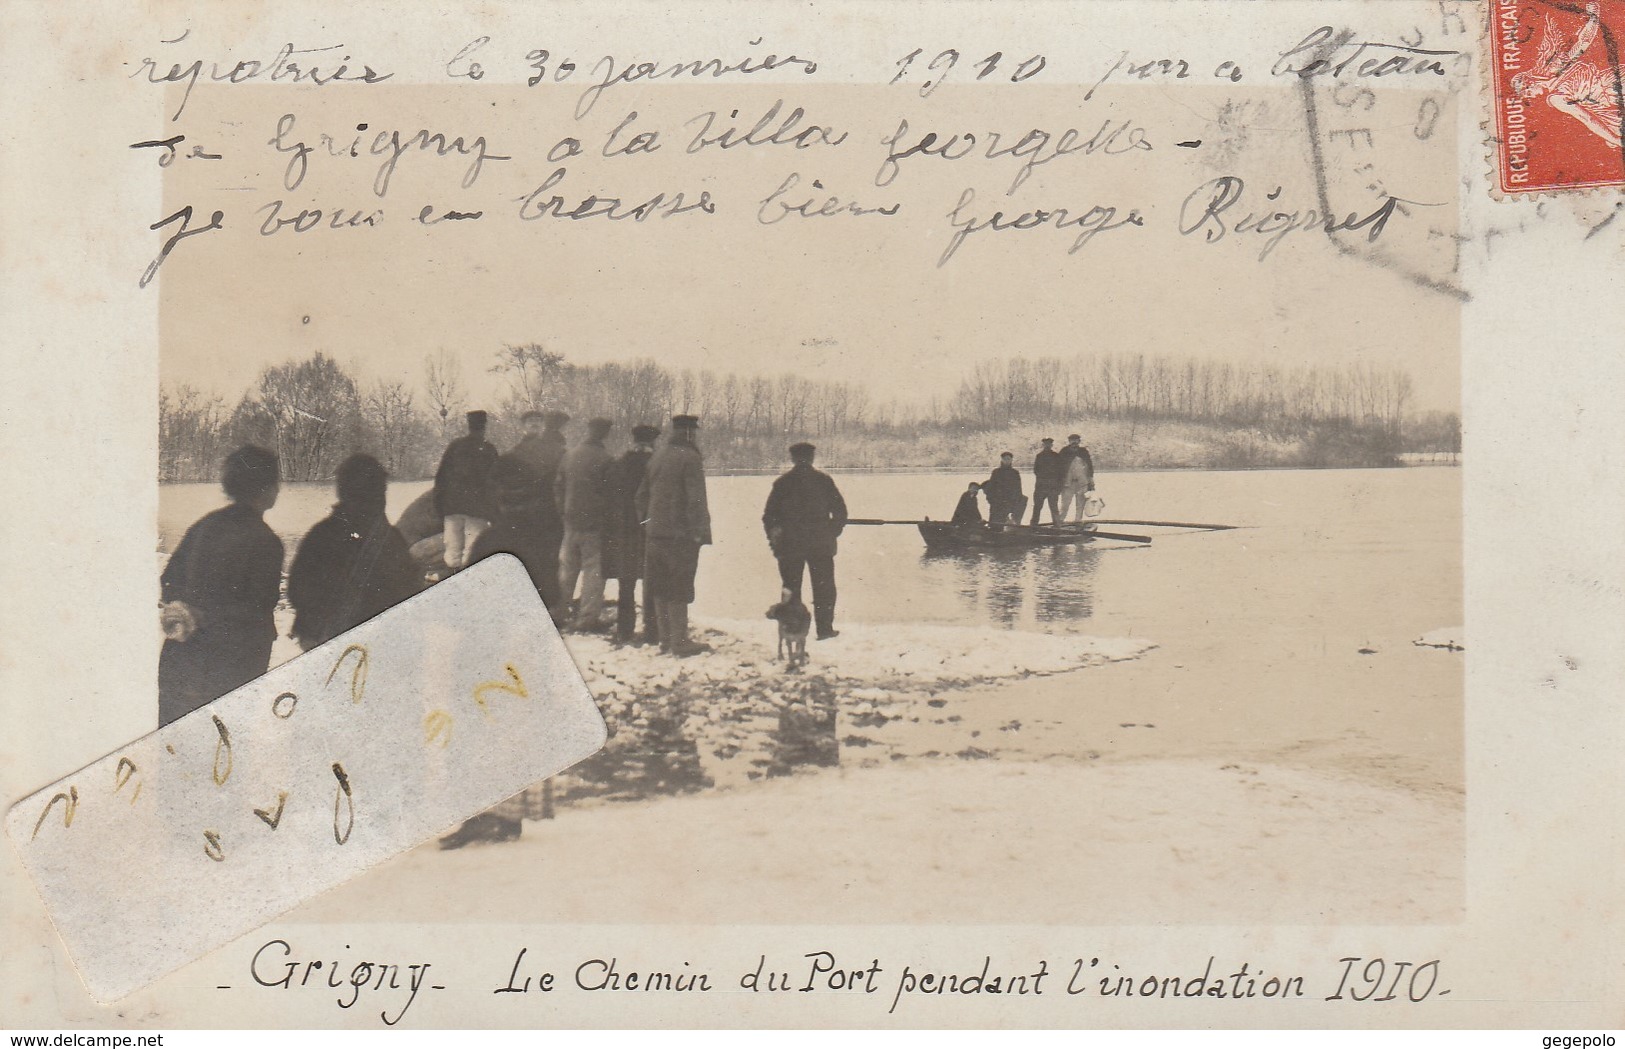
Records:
x=999, y=394
x=1144, y=410
x=311, y=412
x=1259, y=415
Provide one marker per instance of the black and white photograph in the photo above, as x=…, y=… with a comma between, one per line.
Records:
x=1016, y=500
x=935, y=540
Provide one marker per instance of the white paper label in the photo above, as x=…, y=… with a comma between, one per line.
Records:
x=338, y=760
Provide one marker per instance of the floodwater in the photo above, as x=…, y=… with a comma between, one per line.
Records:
x=1349, y=550
x=1273, y=619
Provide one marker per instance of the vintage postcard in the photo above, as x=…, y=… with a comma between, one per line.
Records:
x=1071, y=515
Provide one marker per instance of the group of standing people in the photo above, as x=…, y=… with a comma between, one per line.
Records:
x=581, y=516
x=573, y=516
x=569, y=517
x=1061, y=479
x=221, y=585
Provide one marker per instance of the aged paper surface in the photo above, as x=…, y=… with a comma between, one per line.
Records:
x=1254, y=777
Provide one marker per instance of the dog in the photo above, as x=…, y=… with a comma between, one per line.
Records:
x=794, y=621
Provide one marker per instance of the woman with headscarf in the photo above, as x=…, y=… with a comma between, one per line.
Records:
x=220, y=591
x=353, y=564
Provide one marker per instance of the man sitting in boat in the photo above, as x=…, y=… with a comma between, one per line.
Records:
x=969, y=511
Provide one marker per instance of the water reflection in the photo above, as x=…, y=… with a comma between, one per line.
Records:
x=1064, y=587
x=805, y=737
x=689, y=741
x=1055, y=583
x=648, y=756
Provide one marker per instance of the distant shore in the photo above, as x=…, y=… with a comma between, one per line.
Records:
x=1407, y=460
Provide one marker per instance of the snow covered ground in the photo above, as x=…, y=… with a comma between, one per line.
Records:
x=891, y=655
x=1018, y=733
x=1101, y=843
x=736, y=714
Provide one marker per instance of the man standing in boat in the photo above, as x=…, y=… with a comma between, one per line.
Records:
x=1003, y=491
x=805, y=515
x=1078, y=476
x=1049, y=473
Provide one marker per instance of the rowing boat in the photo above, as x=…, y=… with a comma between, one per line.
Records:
x=940, y=535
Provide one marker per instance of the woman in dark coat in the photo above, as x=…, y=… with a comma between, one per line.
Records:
x=353, y=564
x=220, y=591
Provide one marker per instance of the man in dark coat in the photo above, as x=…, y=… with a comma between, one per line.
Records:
x=352, y=564
x=805, y=515
x=462, y=490
x=1049, y=472
x=1003, y=491
x=583, y=490
x=519, y=529
x=541, y=452
x=220, y=590
x=676, y=520
x=967, y=511
x=626, y=538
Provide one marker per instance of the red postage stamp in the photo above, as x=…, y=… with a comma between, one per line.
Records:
x=1557, y=72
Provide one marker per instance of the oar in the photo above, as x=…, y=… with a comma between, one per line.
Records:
x=1103, y=520
x=1168, y=524
x=1050, y=530
x=1090, y=530
x=1119, y=535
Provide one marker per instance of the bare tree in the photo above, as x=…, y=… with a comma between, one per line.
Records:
x=731, y=399
x=389, y=413
x=793, y=394
x=443, y=383
x=645, y=392
x=688, y=386
x=536, y=375
x=191, y=434
x=760, y=413
x=313, y=408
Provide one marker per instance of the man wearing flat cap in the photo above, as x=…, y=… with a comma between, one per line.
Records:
x=1049, y=473
x=626, y=540
x=805, y=515
x=676, y=523
x=462, y=491
x=583, y=491
x=1078, y=479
